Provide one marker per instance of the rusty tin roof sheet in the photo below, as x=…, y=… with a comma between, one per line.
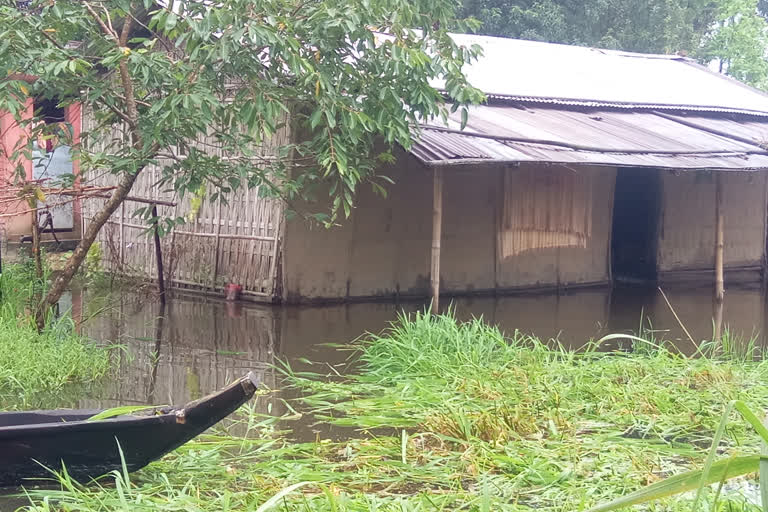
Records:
x=642, y=138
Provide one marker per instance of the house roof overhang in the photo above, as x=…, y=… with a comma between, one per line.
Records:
x=561, y=104
x=667, y=139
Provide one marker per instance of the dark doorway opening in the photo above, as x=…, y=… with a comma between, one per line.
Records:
x=634, y=240
x=49, y=110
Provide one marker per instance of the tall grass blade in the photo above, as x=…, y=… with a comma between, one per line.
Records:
x=274, y=500
x=764, y=475
x=119, y=411
x=403, y=445
x=610, y=337
x=751, y=418
x=688, y=481
x=712, y=453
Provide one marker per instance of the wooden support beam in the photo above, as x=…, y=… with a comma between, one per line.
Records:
x=719, y=292
x=765, y=244
x=437, y=227
x=143, y=200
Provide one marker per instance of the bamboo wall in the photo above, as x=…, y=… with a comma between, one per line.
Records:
x=383, y=250
x=237, y=241
x=687, y=221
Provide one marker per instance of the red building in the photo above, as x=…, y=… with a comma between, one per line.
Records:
x=51, y=160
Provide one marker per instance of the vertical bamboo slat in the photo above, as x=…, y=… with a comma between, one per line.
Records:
x=719, y=296
x=437, y=226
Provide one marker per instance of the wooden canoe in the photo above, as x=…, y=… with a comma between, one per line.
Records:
x=34, y=442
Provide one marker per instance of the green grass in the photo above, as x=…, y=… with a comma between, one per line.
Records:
x=35, y=368
x=443, y=415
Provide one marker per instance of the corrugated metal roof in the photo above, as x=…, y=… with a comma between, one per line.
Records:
x=571, y=75
x=608, y=137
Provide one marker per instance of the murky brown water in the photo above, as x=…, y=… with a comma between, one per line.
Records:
x=198, y=345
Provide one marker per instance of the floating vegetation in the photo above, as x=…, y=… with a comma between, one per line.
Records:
x=444, y=415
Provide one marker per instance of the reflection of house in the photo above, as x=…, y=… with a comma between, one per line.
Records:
x=584, y=166
x=49, y=165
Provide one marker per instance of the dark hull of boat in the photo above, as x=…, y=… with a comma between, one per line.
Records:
x=34, y=443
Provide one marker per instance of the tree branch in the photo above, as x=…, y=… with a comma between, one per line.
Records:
x=53, y=41
x=107, y=31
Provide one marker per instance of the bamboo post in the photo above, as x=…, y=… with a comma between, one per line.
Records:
x=437, y=226
x=765, y=239
x=122, y=235
x=216, y=246
x=159, y=320
x=277, y=224
x=719, y=293
x=36, y=244
x=159, y=259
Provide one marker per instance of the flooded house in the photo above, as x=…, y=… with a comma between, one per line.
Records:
x=584, y=167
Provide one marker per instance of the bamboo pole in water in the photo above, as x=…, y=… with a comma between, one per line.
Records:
x=719, y=295
x=437, y=226
x=159, y=259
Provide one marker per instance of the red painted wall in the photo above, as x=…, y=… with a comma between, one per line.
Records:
x=14, y=216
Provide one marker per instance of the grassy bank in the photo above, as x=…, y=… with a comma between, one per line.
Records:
x=442, y=415
x=35, y=367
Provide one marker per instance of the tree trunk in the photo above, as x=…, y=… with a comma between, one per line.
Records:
x=124, y=184
x=81, y=251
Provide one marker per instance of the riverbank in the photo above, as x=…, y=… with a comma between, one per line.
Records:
x=443, y=415
x=36, y=368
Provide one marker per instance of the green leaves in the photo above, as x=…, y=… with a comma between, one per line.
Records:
x=738, y=40
x=654, y=26
x=252, y=89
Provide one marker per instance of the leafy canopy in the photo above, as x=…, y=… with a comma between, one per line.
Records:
x=729, y=33
x=738, y=42
x=656, y=26
x=238, y=72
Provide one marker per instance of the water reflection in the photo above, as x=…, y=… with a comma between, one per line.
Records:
x=195, y=346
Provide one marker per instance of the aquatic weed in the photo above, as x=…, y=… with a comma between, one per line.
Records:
x=452, y=415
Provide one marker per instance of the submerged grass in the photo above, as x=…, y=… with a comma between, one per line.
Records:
x=455, y=416
x=35, y=366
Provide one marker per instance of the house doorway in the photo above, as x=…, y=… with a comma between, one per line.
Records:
x=634, y=240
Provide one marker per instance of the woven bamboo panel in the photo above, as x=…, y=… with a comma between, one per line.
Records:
x=237, y=241
x=545, y=208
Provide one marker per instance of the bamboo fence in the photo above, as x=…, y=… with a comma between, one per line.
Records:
x=234, y=242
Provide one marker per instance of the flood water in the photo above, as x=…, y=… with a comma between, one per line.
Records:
x=199, y=345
